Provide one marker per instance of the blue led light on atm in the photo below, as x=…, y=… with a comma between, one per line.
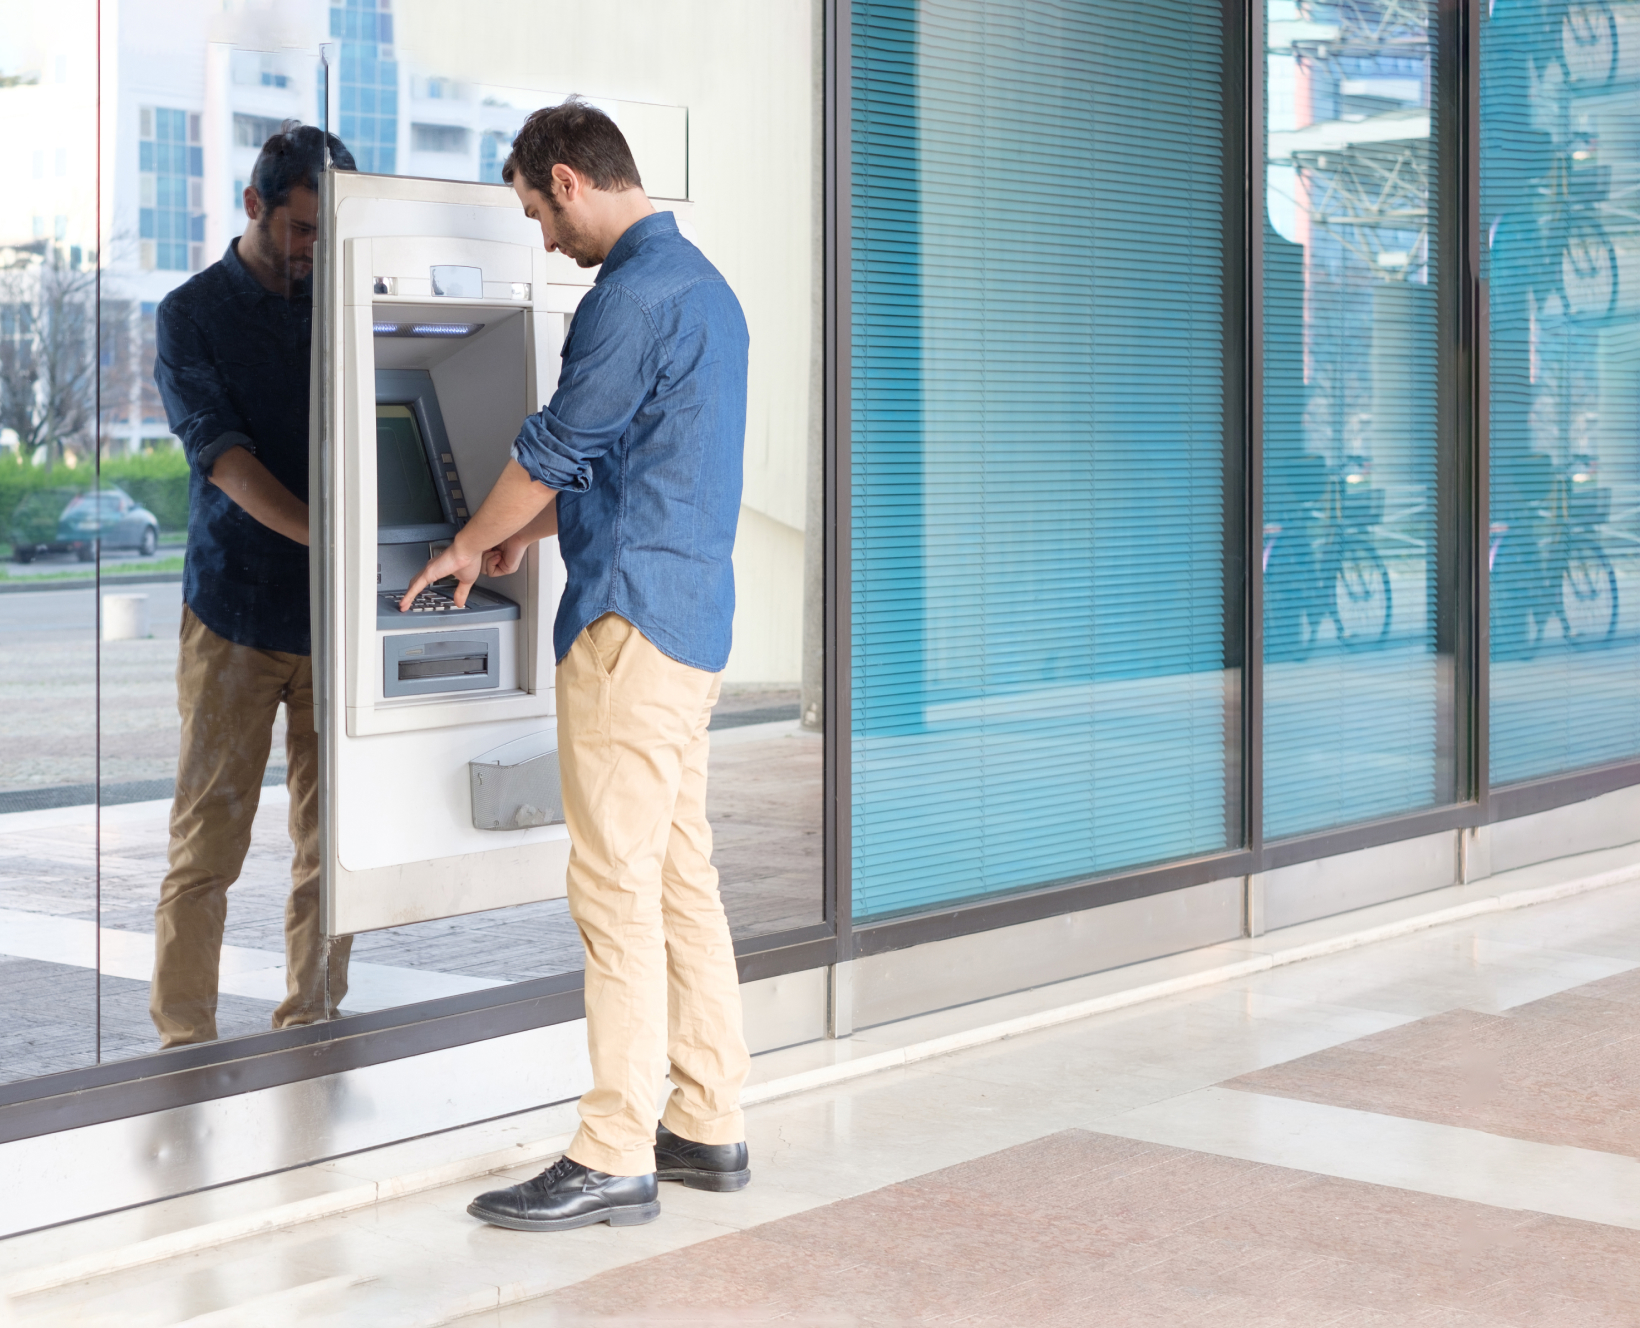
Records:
x=426, y=329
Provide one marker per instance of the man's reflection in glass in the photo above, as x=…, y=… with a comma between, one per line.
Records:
x=232, y=367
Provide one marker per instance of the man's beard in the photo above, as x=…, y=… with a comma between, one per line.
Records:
x=294, y=269
x=571, y=240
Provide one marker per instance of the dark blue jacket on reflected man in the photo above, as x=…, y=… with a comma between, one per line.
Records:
x=643, y=440
x=231, y=363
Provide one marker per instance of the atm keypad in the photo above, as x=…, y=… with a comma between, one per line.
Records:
x=428, y=601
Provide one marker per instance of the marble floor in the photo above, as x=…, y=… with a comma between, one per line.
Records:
x=1437, y=1130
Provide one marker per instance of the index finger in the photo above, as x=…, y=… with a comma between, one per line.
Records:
x=422, y=581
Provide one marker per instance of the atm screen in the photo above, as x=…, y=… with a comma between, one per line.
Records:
x=405, y=494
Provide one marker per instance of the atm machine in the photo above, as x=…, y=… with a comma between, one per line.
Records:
x=438, y=321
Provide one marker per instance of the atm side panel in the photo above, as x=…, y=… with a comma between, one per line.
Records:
x=402, y=845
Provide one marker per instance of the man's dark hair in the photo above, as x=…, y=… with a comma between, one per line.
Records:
x=292, y=159
x=576, y=135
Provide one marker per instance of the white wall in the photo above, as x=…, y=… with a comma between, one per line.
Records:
x=745, y=69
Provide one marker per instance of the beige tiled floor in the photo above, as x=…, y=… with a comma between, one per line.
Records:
x=1564, y=1069
x=1141, y=1190
x=1083, y=1228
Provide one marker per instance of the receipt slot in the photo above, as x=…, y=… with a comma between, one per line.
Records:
x=438, y=321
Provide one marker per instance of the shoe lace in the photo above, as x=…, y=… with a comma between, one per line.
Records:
x=556, y=1172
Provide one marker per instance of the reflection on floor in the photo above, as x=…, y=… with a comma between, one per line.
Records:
x=764, y=802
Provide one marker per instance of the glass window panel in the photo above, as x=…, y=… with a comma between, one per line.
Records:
x=1355, y=662
x=1560, y=189
x=749, y=201
x=748, y=196
x=48, y=605
x=140, y=544
x=1040, y=686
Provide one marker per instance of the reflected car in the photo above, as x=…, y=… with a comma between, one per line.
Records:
x=68, y=521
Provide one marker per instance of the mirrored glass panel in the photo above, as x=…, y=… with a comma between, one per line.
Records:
x=426, y=91
x=1560, y=188
x=1357, y=631
x=203, y=607
x=48, y=496
x=160, y=769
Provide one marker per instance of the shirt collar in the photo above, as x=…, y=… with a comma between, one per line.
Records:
x=247, y=285
x=633, y=238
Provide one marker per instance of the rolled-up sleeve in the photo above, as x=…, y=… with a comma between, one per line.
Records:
x=609, y=369
x=197, y=404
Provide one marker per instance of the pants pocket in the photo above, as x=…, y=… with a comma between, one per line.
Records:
x=607, y=636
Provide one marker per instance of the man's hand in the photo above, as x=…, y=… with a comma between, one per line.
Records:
x=454, y=561
x=507, y=555
x=505, y=558
x=511, y=512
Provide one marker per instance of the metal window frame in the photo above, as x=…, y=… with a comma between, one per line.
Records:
x=186, y=1075
x=1246, y=106
x=839, y=825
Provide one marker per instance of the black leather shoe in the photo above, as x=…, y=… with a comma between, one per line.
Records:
x=567, y=1195
x=720, y=1167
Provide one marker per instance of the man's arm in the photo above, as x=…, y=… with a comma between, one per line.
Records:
x=609, y=368
x=253, y=486
x=214, y=437
x=512, y=506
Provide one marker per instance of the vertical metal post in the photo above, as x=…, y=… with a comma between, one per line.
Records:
x=321, y=541
x=1476, y=435
x=325, y=50
x=1251, y=27
x=838, y=432
x=96, y=481
x=1461, y=530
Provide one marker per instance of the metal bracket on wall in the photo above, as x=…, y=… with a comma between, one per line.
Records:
x=840, y=999
x=1474, y=853
x=1253, y=916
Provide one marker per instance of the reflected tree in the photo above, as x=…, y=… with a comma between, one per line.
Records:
x=48, y=372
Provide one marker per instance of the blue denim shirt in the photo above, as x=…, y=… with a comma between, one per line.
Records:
x=232, y=364
x=643, y=441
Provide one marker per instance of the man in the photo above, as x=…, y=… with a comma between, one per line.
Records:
x=642, y=446
x=232, y=368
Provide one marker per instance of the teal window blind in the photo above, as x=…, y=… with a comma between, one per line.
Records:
x=1357, y=699
x=1040, y=688
x=1560, y=183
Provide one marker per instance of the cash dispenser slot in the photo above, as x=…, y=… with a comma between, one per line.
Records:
x=417, y=663
x=464, y=665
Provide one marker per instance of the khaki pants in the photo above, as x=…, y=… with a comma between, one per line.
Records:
x=661, y=983
x=228, y=696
